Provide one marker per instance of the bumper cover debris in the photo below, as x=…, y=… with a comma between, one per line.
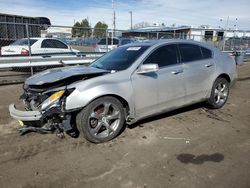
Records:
x=24, y=115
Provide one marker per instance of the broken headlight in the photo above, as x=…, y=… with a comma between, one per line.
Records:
x=52, y=100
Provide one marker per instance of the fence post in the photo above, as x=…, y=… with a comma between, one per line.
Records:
x=107, y=40
x=28, y=36
x=224, y=40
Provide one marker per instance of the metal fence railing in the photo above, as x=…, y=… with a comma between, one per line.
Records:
x=86, y=39
x=34, y=47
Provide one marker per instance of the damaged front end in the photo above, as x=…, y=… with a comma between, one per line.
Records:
x=45, y=96
x=45, y=111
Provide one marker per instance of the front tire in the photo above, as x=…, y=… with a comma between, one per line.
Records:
x=102, y=120
x=219, y=93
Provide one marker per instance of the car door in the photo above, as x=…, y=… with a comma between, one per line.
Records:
x=198, y=71
x=145, y=92
x=158, y=91
x=171, y=90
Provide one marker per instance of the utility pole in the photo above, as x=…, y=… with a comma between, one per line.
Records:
x=225, y=33
x=227, y=22
x=113, y=32
x=131, y=20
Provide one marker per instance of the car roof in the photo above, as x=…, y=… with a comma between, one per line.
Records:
x=166, y=41
x=38, y=38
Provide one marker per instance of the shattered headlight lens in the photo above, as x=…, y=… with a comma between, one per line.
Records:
x=56, y=95
x=52, y=99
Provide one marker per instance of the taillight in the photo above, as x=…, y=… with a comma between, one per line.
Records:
x=24, y=51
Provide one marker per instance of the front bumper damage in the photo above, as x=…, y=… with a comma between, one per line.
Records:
x=36, y=121
x=24, y=115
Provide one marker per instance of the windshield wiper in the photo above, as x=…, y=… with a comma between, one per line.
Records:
x=98, y=67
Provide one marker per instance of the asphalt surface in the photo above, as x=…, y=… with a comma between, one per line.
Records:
x=190, y=147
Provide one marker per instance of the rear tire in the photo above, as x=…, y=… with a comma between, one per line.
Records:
x=102, y=120
x=219, y=94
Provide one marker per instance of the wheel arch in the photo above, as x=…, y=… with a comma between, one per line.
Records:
x=123, y=101
x=226, y=76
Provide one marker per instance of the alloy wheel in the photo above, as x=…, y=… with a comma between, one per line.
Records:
x=104, y=120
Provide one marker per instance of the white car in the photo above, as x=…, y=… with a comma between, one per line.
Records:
x=38, y=46
x=106, y=45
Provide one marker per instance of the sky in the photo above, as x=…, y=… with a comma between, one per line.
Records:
x=179, y=12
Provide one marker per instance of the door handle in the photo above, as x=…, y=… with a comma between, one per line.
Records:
x=177, y=71
x=209, y=65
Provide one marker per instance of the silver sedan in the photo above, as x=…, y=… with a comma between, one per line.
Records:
x=125, y=85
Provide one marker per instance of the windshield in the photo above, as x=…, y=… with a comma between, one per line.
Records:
x=23, y=42
x=120, y=58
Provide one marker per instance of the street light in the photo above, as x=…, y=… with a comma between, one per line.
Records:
x=131, y=19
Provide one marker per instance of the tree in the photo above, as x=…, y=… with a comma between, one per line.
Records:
x=86, y=28
x=100, y=29
x=76, y=31
x=81, y=29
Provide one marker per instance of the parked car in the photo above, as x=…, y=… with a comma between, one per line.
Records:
x=106, y=45
x=38, y=46
x=125, y=85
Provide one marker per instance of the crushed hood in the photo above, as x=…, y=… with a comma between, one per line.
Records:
x=56, y=75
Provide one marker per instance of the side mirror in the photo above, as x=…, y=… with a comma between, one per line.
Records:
x=147, y=68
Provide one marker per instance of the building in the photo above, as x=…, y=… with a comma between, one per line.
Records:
x=221, y=38
x=57, y=32
x=158, y=32
x=13, y=27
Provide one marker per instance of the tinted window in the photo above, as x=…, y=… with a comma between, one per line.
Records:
x=24, y=42
x=104, y=41
x=190, y=52
x=126, y=41
x=50, y=43
x=47, y=44
x=59, y=44
x=206, y=53
x=119, y=59
x=163, y=56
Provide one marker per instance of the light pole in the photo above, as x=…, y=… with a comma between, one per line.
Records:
x=131, y=19
x=113, y=32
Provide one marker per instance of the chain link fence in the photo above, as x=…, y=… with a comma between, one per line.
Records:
x=19, y=40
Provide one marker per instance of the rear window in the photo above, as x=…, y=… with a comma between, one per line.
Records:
x=104, y=41
x=206, y=53
x=51, y=43
x=190, y=52
x=23, y=42
x=126, y=41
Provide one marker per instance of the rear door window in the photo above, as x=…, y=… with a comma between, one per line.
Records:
x=47, y=44
x=59, y=44
x=163, y=56
x=190, y=52
x=206, y=53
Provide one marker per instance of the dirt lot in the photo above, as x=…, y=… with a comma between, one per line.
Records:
x=191, y=147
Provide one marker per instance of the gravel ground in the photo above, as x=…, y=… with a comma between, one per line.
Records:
x=190, y=147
